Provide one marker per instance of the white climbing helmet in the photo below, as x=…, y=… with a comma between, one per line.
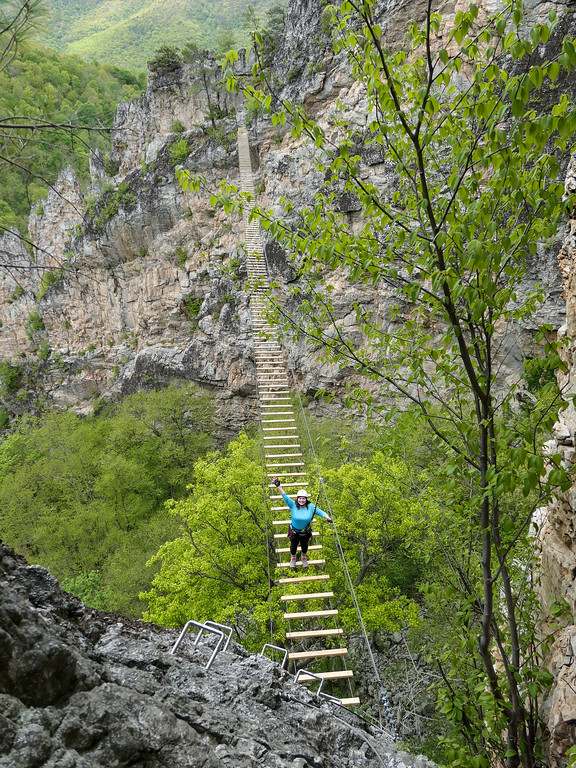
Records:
x=302, y=492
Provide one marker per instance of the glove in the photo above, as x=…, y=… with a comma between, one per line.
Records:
x=276, y=483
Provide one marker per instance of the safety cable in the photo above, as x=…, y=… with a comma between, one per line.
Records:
x=322, y=490
x=268, y=530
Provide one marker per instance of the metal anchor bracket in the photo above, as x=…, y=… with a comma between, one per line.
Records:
x=202, y=628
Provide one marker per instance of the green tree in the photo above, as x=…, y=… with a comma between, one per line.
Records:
x=476, y=186
x=53, y=109
x=84, y=497
x=217, y=568
x=166, y=59
x=382, y=530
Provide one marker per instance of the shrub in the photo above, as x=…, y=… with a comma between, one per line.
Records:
x=48, y=278
x=111, y=167
x=34, y=323
x=10, y=378
x=180, y=256
x=179, y=151
x=177, y=127
x=192, y=306
x=44, y=352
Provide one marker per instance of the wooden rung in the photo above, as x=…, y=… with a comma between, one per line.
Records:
x=278, y=421
x=289, y=464
x=280, y=429
x=288, y=474
x=307, y=596
x=326, y=675
x=281, y=522
x=285, y=550
x=314, y=633
x=354, y=701
x=299, y=564
x=318, y=654
x=299, y=579
x=285, y=535
x=311, y=614
x=283, y=456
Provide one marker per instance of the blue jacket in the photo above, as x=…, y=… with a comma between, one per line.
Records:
x=301, y=516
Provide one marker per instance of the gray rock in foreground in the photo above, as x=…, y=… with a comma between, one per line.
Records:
x=80, y=689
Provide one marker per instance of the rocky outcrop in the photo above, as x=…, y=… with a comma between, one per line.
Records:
x=79, y=689
x=557, y=530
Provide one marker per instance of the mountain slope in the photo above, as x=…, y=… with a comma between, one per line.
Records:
x=127, y=32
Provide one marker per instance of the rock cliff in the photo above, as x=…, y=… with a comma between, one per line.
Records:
x=79, y=689
x=136, y=282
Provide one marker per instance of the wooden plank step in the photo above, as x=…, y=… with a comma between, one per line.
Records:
x=327, y=675
x=284, y=535
x=289, y=464
x=287, y=474
x=280, y=421
x=318, y=654
x=307, y=596
x=298, y=563
x=282, y=445
x=299, y=579
x=279, y=429
x=285, y=550
x=311, y=614
x=314, y=633
x=353, y=701
x=284, y=456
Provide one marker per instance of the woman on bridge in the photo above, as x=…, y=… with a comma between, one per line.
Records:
x=300, y=530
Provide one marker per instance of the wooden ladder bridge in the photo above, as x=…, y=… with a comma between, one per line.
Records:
x=284, y=457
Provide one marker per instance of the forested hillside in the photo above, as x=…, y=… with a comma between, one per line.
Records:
x=127, y=32
x=40, y=83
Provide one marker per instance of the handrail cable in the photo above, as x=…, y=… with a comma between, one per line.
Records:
x=322, y=489
x=268, y=530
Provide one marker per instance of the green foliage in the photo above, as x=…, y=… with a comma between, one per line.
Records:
x=44, y=351
x=111, y=167
x=180, y=256
x=88, y=587
x=82, y=495
x=128, y=33
x=217, y=568
x=179, y=151
x=177, y=127
x=10, y=378
x=52, y=277
x=192, y=306
x=34, y=323
x=166, y=59
x=382, y=528
x=267, y=38
x=41, y=84
x=106, y=207
x=476, y=184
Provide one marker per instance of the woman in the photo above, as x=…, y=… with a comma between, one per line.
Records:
x=301, y=512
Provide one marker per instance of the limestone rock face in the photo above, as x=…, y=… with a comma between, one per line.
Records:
x=557, y=530
x=87, y=690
